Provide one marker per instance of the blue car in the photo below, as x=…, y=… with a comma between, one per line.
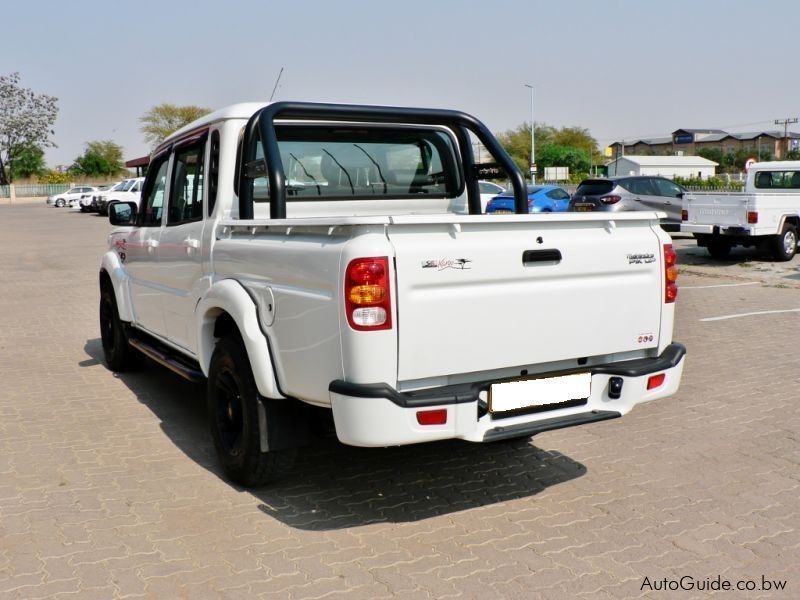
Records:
x=541, y=199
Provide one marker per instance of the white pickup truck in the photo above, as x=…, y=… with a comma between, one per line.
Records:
x=765, y=214
x=311, y=259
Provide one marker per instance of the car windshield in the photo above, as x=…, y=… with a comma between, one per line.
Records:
x=594, y=186
x=363, y=162
x=126, y=185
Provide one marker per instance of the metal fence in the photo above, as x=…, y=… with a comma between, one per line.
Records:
x=39, y=189
x=5, y=191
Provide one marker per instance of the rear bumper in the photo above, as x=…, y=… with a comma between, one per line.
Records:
x=725, y=230
x=378, y=415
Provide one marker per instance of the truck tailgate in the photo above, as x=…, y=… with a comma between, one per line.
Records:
x=726, y=210
x=514, y=291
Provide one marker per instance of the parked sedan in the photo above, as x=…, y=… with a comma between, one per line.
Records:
x=71, y=196
x=630, y=193
x=541, y=199
x=488, y=191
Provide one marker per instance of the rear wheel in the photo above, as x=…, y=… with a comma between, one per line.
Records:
x=119, y=355
x=233, y=410
x=784, y=245
x=719, y=249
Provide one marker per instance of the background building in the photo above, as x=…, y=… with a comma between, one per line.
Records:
x=690, y=141
x=665, y=166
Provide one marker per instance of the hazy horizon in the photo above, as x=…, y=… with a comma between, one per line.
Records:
x=622, y=69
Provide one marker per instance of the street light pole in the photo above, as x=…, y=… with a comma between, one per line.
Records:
x=533, y=140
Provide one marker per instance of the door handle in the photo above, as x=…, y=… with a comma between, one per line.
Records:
x=550, y=256
x=151, y=244
x=191, y=243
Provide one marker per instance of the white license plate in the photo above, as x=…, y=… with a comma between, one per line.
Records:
x=547, y=391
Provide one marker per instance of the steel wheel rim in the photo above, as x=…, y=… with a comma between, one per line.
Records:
x=229, y=413
x=107, y=333
x=789, y=242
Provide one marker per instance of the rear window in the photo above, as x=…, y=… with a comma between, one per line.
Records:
x=363, y=162
x=778, y=180
x=594, y=187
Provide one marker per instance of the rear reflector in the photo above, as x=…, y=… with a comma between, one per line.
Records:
x=752, y=217
x=432, y=417
x=655, y=381
x=684, y=215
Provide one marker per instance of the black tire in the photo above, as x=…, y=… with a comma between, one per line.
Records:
x=118, y=353
x=60, y=202
x=233, y=401
x=718, y=249
x=784, y=246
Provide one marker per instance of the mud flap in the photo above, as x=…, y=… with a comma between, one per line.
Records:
x=282, y=424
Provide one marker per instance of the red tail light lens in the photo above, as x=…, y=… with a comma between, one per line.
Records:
x=367, y=296
x=670, y=274
x=432, y=417
x=752, y=217
x=684, y=215
x=610, y=199
x=655, y=381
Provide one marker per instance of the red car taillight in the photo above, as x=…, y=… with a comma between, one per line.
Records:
x=611, y=199
x=367, y=298
x=684, y=215
x=670, y=274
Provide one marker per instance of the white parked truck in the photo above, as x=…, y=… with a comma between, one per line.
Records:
x=310, y=259
x=765, y=214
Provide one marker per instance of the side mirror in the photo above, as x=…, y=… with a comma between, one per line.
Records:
x=679, y=195
x=122, y=213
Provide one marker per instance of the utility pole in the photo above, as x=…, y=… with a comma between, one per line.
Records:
x=785, y=122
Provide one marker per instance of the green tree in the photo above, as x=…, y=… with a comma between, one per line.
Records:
x=556, y=155
x=26, y=119
x=164, y=119
x=580, y=138
x=517, y=142
x=100, y=159
x=27, y=160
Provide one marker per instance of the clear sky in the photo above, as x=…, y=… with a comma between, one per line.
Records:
x=621, y=68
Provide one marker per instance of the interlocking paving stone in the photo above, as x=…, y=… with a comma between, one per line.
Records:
x=109, y=487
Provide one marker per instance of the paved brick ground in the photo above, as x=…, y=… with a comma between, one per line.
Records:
x=109, y=487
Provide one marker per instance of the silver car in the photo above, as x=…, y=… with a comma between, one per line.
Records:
x=630, y=193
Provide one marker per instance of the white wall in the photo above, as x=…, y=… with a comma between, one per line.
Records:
x=624, y=168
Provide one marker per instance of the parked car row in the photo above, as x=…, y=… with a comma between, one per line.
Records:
x=600, y=195
x=98, y=198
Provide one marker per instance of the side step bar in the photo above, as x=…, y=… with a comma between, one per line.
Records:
x=172, y=360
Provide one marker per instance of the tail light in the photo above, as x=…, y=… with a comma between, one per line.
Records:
x=752, y=217
x=684, y=215
x=610, y=199
x=670, y=274
x=367, y=298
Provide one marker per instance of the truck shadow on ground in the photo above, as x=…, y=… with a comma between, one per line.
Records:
x=335, y=486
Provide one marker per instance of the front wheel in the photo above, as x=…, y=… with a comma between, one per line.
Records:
x=233, y=411
x=60, y=202
x=784, y=245
x=118, y=353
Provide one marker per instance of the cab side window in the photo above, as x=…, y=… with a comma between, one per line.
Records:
x=667, y=188
x=153, y=194
x=186, y=191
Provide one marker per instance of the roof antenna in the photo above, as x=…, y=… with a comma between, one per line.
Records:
x=276, y=85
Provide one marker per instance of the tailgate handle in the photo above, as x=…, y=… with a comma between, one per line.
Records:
x=530, y=257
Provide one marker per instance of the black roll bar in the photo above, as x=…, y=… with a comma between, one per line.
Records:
x=262, y=125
